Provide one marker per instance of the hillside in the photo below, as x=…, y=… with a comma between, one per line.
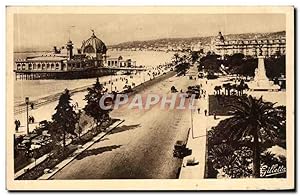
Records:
x=167, y=43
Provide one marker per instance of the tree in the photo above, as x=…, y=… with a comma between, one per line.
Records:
x=235, y=163
x=176, y=58
x=92, y=108
x=227, y=87
x=256, y=119
x=65, y=117
x=218, y=90
x=241, y=87
x=210, y=63
x=194, y=56
x=182, y=68
x=275, y=67
x=240, y=64
x=182, y=65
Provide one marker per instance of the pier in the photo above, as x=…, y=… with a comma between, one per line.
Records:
x=72, y=74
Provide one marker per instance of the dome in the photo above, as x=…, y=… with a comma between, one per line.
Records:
x=93, y=45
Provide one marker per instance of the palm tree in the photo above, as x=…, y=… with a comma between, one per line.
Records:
x=258, y=119
x=176, y=58
x=268, y=157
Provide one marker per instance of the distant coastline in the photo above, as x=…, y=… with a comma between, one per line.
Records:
x=163, y=42
x=32, y=51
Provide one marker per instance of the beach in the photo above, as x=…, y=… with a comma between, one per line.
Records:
x=38, y=89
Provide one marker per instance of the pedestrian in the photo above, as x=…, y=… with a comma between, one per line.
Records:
x=32, y=106
x=32, y=119
x=205, y=112
x=16, y=125
x=198, y=110
x=215, y=116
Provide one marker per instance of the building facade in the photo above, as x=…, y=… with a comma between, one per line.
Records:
x=91, y=55
x=269, y=47
x=119, y=62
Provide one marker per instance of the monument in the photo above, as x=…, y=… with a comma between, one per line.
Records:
x=261, y=82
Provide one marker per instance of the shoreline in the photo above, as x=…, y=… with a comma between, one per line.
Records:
x=21, y=108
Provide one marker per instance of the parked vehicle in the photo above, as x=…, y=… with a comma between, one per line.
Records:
x=192, y=162
x=173, y=89
x=179, y=149
x=193, y=90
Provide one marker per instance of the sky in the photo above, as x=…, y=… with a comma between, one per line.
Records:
x=43, y=31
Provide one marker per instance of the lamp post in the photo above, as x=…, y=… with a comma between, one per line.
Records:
x=111, y=72
x=27, y=103
x=192, y=123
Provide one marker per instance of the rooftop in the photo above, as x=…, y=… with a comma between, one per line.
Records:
x=47, y=58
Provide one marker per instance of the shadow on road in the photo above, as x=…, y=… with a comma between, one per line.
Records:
x=97, y=151
x=101, y=140
x=124, y=128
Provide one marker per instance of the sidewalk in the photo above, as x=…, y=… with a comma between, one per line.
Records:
x=70, y=158
x=197, y=141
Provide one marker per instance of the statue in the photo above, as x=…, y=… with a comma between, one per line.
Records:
x=260, y=51
x=261, y=81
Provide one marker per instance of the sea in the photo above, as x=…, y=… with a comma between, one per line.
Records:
x=36, y=89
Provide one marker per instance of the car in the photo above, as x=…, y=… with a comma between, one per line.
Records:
x=192, y=162
x=179, y=148
x=173, y=89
